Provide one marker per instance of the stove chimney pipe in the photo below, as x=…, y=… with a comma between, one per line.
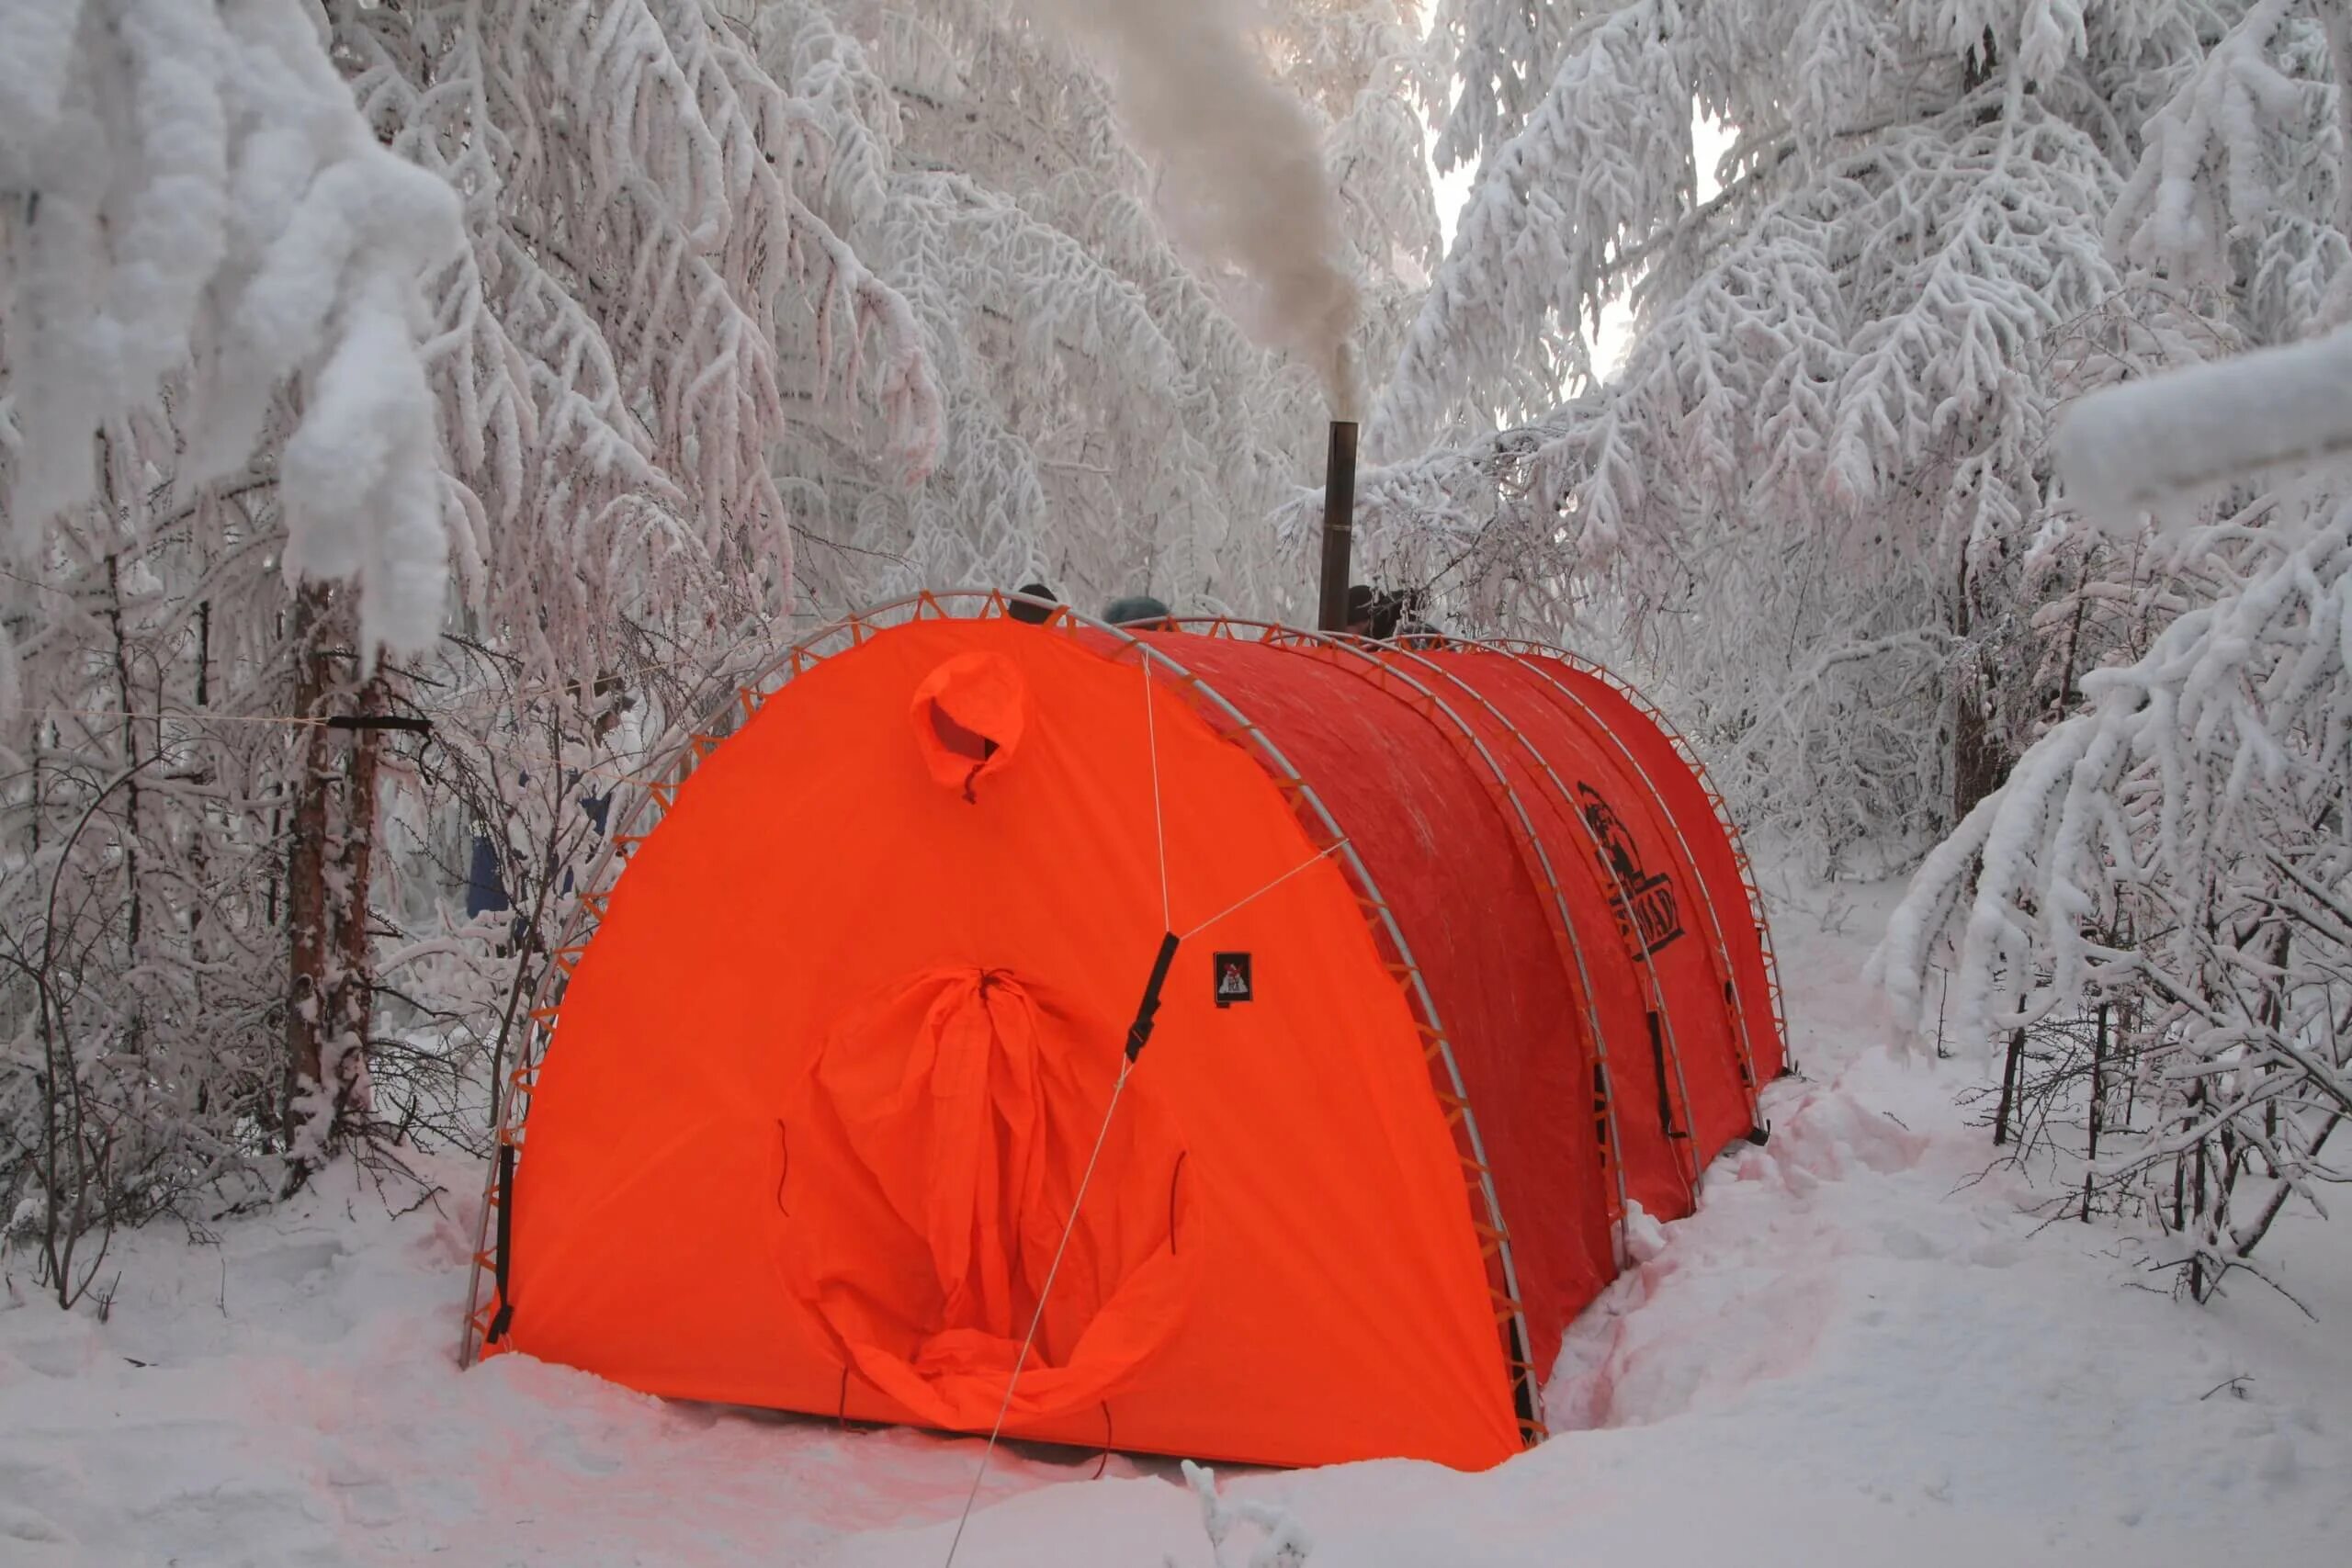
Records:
x=1339, y=525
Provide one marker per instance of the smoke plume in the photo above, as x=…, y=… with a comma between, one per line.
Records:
x=1243, y=174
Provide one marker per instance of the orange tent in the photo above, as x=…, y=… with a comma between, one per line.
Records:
x=1445, y=953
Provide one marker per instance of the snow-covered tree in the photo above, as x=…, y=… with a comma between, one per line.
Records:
x=1814, y=505
x=212, y=301
x=192, y=202
x=1113, y=425
x=2161, y=895
x=527, y=372
x=502, y=300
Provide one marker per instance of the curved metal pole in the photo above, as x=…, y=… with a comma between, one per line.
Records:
x=1719, y=942
x=1369, y=651
x=1656, y=986
x=1689, y=754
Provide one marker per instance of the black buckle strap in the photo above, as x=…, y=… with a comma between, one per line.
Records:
x=1139, y=1032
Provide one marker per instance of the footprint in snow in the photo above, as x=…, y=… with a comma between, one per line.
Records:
x=1913, y=1246
x=292, y=1263
x=365, y=1497
x=564, y=1448
x=1997, y=1252
x=63, y=1355
x=19, y=1522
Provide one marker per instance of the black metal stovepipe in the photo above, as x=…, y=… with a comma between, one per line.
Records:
x=1339, y=525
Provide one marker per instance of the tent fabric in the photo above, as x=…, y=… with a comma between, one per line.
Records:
x=1659, y=1001
x=964, y=1096
x=687, y=1183
x=1442, y=855
x=826, y=1084
x=1682, y=794
x=968, y=716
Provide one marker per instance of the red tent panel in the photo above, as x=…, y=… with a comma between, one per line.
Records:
x=1434, y=839
x=1698, y=814
x=1673, y=1052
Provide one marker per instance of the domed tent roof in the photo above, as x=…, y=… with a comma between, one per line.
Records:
x=1447, y=956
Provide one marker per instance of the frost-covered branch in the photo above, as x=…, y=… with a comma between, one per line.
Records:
x=1833, y=424
x=2171, y=440
x=1283, y=1543
x=198, y=216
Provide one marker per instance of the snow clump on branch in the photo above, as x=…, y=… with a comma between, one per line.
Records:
x=199, y=217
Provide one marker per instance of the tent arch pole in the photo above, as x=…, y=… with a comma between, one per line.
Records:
x=1717, y=940
x=655, y=794
x=1525, y=650
x=1648, y=965
x=1535, y=859
x=1656, y=987
x=1324, y=831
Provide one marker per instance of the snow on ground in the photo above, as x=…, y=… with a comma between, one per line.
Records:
x=1853, y=1354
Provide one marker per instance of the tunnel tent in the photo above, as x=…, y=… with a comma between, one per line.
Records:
x=1446, y=955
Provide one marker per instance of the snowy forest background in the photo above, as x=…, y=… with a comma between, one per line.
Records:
x=533, y=371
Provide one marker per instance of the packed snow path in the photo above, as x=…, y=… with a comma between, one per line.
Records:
x=1853, y=1354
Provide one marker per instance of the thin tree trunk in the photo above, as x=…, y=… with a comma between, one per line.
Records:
x=306, y=864
x=2179, y=1194
x=199, y=861
x=330, y=982
x=2099, y=1097
x=2273, y=1011
x=353, y=993
x=130, y=755
x=2008, y=1086
x=2197, y=1258
x=44, y=741
x=1978, y=768
x=278, y=874
x=2251, y=1236
x=2195, y=1214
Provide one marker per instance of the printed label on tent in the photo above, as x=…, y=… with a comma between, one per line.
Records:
x=1648, y=915
x=1233, y=981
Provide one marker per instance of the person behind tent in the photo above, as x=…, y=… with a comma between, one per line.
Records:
x=1416, y=632
x=1140, y=612
x=1035, y=614
x=1374, y=613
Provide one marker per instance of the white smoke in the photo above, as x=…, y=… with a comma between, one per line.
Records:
x=1243, y=174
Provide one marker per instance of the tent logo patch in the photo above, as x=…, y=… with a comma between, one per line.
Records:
x=1648, y=914
x=1231, y=971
